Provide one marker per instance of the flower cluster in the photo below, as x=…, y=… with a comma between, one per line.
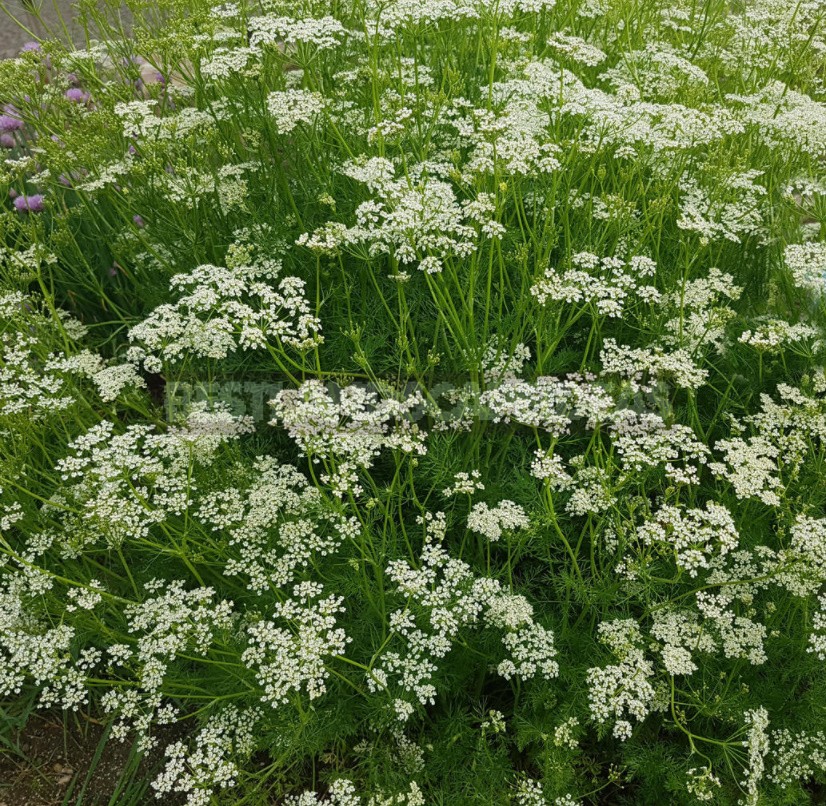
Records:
x=415, y=219
x=292, y=658
x=209, y=765
x=644, y=440
x=693, y=535
x=490, y=522
x=117, y=486
x=781, y=437
x=446, y=598
x=224, y=309
x=275, y=522
x=464, y=484
x=549, y=403
x=605, y=283
x=40, y=351
x=351, y=430
x=293, y=107
x=623, y=689
x=807, y=264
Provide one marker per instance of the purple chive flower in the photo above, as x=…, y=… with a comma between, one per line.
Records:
x=9, y=122
x=138, y=221
x=132, y=150
x=30, y=47
x=29, y=204
x=7, y=141
x=64, y=180
x=12, y=193
x=77, y=95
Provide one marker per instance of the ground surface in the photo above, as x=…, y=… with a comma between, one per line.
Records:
x=12, y=36
x=59, y=760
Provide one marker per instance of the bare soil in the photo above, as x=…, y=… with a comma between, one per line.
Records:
x=58, y=759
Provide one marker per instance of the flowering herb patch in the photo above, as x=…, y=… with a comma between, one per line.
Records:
x=499, y=475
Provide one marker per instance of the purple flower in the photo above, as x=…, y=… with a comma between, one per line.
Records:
x=12, y=193
x=77, y=95
x=30, y=46
x=138, y=221
x=9, y=123
x=30, y=204
x=7, y=141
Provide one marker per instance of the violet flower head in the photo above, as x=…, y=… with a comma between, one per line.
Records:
x=7, y=141
x=77, y=95
x=29, y=204
x=138, y=221
x=9, y=121
x=30, y=47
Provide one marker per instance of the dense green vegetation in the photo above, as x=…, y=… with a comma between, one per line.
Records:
x=421, y=402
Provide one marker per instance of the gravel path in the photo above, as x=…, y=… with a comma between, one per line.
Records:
x=12, y=36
